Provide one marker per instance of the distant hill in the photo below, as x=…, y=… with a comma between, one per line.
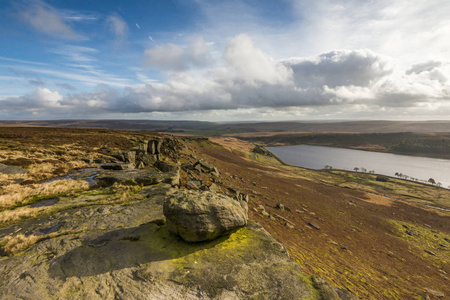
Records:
x=210, y=128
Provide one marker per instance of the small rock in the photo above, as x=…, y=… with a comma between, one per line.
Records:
x=289, y=225
x=280, y=206
x=193, y=184
x=412, y=232
x=424, y=296
x=265, y=213
x=435, y=293
x=448, y=240
x=261, y=207
x=429, y=252
x=314, y=225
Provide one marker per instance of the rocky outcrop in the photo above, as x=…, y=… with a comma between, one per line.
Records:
x=200, y=216
x=139, y=177
x=127, y=252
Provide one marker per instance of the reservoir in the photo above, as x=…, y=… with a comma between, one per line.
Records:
x=317, y=157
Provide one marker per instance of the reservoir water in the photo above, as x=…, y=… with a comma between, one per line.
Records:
x=317, y=157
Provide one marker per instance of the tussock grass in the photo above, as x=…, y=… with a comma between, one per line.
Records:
x=9, y=216
x=10, y=245
x=15, y=195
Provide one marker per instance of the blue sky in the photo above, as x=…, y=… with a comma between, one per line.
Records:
x=224, y=60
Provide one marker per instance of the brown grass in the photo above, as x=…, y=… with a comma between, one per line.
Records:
x=11, y=245
x=15, y=194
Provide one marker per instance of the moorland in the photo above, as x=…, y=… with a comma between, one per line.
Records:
x=375, y=239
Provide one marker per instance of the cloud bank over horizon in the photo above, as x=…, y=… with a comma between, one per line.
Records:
x=239, y=77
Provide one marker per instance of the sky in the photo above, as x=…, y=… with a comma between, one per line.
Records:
x=225, y=60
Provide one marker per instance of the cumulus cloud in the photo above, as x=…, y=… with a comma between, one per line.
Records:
x=353, y=81
x=176, y=58
x=423, y=67
x=340, y=68
x=251, y=65
x=42, y=98
x=118, y=27
x=48, y=20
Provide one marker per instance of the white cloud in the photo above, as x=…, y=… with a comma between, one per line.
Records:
x=42, y=98
x=48, y=20
x=340, y=68
x=252, y=66
x=246, y=81
x=118, y=27
x=177, y=58
x=76, y=53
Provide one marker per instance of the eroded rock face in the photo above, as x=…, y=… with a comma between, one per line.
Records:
x=200, y=216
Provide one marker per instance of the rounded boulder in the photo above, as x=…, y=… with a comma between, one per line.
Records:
x=200, y=215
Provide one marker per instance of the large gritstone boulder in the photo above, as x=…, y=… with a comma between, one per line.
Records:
x=200, y=216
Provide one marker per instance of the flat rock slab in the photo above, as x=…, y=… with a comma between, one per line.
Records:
x=138, y=177
x=127, y=252
x=12, y=170
x=147, y=262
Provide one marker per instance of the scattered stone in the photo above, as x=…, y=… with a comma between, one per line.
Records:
x=271, y=217
x=429, y=252
x=435, y=293
x=193, y=184
x=254, y=209
x=447, y=239
x=412, y=232
x=214, y=188
x=5, y=169
x=289, y=225
x=280, y=206
x=254, y=183
x=201, y=216
x=261, y=207
x=314, y=225
x=205, y=167
x=426, y=225
x=356, y=229
x=265, y=213
x=424, y=296
x=299, y=211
